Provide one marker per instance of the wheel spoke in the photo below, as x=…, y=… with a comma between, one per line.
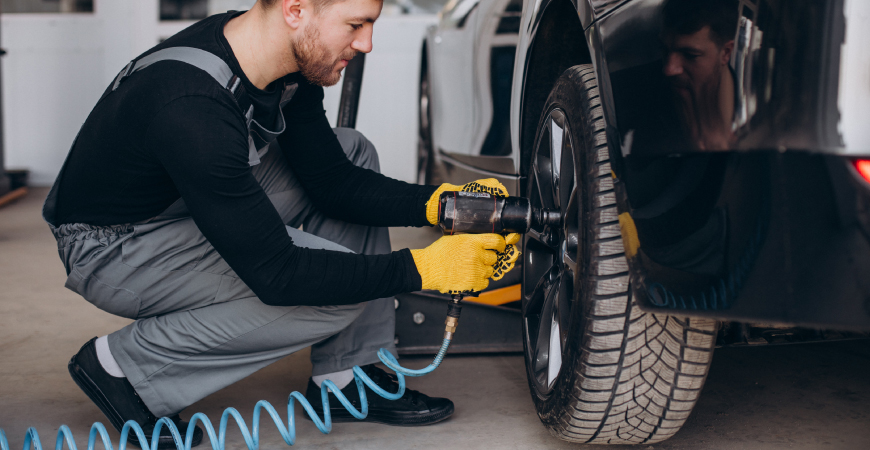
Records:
x=542, y=239
x=563, y=304
x=571, y=230
x=536, y=302
x=554, y=357
x=536, y=236
x=557, y=134
x=543, y=183
x=542, y=343
x=538, y=261
x=567, y=182
x=543, y=171
x=569, y=264
x=567, y=261
x=535, y=197
x=539, y=293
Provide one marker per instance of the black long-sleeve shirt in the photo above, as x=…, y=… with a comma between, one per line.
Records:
x=170, y=131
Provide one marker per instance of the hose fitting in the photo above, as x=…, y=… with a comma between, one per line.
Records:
x=451, y=324
x=454, y=310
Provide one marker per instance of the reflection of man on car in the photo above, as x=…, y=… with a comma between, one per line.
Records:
x=699, y=39
x=679, y=223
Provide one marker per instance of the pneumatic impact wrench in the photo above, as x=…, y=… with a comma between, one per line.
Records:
x=476, y=213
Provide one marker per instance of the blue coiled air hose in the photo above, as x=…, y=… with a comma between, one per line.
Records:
x=252, y=436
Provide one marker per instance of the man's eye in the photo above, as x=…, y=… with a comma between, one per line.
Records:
x=356, y=26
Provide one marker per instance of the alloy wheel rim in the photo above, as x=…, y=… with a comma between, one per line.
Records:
x=550, y=257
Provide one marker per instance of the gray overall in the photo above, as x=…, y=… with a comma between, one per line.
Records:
x=198, y=327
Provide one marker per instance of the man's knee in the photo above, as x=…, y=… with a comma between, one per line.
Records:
x=358, y=148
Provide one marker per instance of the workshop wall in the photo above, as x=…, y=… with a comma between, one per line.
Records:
x=59, y=64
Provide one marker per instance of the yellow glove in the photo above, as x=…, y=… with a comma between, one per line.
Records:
x=463, y=262
x=488, y=185
x=508, y=258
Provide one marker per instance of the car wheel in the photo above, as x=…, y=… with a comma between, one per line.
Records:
x=600, y=370
x=424, y=133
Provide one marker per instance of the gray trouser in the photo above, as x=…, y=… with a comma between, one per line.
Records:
x=198, y=327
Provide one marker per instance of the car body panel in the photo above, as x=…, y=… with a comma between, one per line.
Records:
x=760, y=236
x=779, y=236
x=787, y=66
x=758, y=216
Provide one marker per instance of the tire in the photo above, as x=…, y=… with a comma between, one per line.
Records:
x=600, y=370
x=424, y=130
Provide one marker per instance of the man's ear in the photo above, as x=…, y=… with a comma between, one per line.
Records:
x=294, y=11
x=727, y=49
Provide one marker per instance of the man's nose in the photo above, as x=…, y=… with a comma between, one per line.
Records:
x=673, y=65
x=363, y=41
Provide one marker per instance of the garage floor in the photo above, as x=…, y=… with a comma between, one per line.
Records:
x=797, y=397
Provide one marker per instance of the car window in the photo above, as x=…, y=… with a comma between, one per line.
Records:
x=455, y=12
x=509, y=22
x=46, y=6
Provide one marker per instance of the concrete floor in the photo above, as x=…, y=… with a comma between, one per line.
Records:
x=802, y=397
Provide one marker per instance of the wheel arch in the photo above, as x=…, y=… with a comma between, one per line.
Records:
x=549, y=55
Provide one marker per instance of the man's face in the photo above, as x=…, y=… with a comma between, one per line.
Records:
x=695, y=60
x=697, y=68
x=330, y=38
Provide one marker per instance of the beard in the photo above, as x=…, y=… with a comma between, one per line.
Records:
x=314, y=59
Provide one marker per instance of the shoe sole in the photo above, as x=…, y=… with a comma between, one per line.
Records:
x=342, y=416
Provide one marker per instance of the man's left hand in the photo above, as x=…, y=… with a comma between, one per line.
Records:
x=488, y=185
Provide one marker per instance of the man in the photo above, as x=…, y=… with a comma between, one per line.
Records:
x=180, y=206
x=699, y=37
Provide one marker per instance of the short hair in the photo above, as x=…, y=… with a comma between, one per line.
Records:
x=690, y=16
x=319, y=5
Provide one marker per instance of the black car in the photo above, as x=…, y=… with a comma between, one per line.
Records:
x=711, y=161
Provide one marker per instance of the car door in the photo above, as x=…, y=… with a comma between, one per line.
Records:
x=451, y=70
x=474, y=109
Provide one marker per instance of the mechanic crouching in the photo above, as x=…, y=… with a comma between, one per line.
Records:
x=180, y=206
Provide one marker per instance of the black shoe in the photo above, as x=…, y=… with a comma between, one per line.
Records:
x=117, y=399
x=413, y=408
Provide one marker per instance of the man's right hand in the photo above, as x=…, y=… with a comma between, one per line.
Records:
x=462, y=262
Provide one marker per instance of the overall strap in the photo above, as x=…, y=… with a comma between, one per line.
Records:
x=259, y=137
x=201, y=59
